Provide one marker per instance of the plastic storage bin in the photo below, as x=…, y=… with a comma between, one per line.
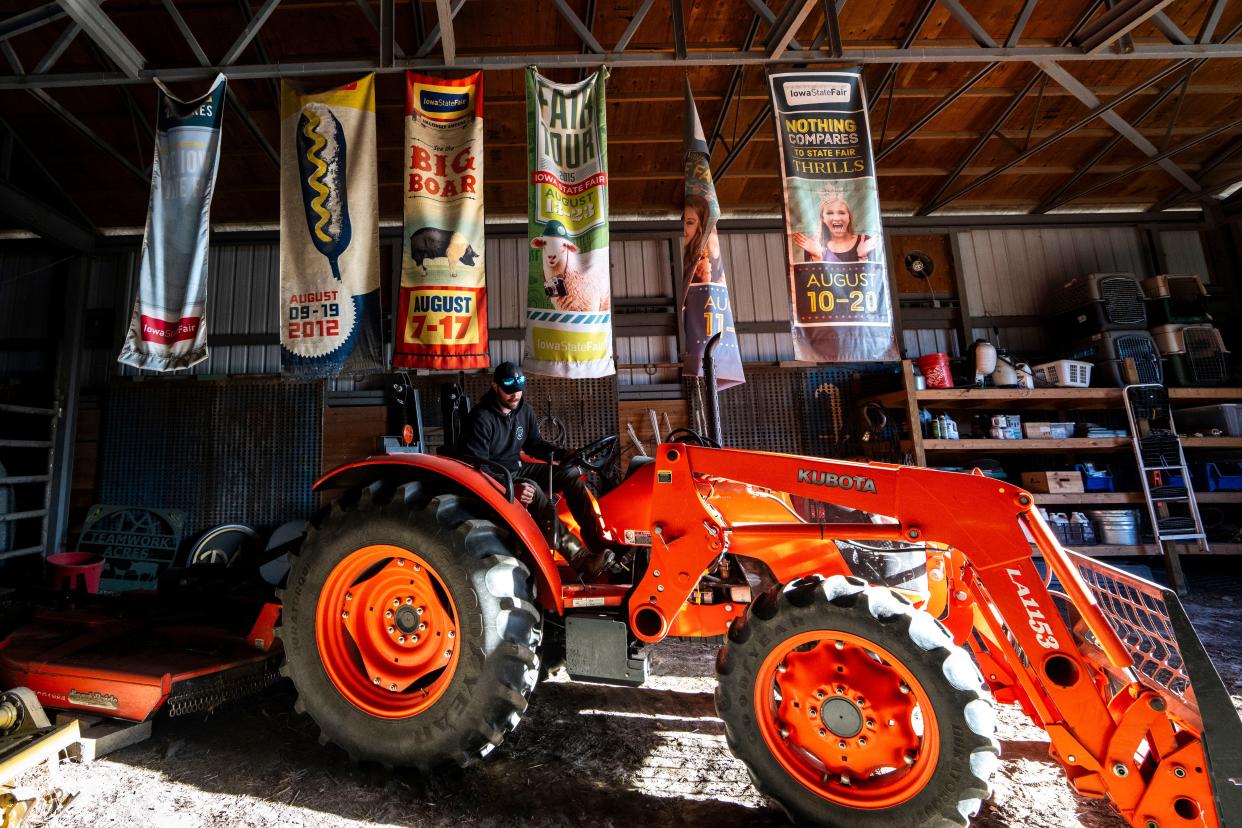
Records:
x=1121, y=295
x=1176, y=297
x=1227, y=417
x=1095, y=480
x=1203, y=359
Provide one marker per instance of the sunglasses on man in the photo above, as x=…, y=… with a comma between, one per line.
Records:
x=512, y=385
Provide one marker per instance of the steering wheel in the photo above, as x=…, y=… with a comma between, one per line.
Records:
x=595, y=456
x=687, y=435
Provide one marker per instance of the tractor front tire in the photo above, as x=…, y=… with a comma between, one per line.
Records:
x=851, y=707
x=409, y=628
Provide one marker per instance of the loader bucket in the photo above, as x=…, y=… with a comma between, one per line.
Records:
x=1170, y=659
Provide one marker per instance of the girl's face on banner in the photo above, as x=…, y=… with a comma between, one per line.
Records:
x=689, y=223
x=837, y=216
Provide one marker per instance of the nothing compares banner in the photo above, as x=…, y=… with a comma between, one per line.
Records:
x=838, y=280
x=168, y=327
x=441, y=317
x=705, y=308
x=329, y=231
x=569, y=299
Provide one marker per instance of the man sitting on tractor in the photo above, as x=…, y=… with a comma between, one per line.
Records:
x=500, y=427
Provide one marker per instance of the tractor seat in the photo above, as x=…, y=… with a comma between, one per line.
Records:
x=637, y=462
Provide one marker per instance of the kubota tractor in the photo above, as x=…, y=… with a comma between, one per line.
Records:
x=424, y=603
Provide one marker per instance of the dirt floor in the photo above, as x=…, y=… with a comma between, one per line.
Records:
x=585, y=753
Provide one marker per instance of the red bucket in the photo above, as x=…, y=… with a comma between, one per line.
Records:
x=74, y=570
x=935, y=369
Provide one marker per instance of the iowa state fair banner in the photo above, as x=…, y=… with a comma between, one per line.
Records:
x=705, y=309
x=168, y=327
x=838, y=280
x=441, y=317
x=329, y=231
x=569, y=296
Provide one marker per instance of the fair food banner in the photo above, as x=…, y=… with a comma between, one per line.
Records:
x=329, y=231
x=838, y=279
x=705, y=308
x=569, y=296
x=168, y=327
x=441, y=317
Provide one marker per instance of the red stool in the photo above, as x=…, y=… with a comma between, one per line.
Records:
x=75, y=570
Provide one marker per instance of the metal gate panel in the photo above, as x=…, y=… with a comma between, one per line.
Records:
x=222, y=452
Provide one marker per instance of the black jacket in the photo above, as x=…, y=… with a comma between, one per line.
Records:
x=493, y=435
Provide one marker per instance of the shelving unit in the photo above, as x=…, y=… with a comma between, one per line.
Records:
x=927, y=451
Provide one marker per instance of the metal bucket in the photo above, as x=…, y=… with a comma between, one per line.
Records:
x=1118, y=527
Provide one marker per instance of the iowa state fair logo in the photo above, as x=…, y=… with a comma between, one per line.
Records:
x=443, y=103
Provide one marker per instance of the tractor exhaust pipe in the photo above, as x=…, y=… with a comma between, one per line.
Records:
x=713, y=396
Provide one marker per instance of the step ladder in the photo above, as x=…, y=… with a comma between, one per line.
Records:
x=18, y=487
x=1167, y=488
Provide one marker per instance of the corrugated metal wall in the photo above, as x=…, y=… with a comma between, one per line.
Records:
x=758, y=281
x=1183, y=253
x=642, y=281
x=27, y=291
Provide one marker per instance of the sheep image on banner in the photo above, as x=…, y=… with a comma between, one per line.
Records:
x=569, y=296
x=441, y=320
x=168, y=327
x=329, y=231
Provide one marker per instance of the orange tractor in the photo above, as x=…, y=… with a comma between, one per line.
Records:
x=425, y=601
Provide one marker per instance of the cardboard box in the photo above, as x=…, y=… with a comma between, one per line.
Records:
x=1052, y=482
x=1048, y=431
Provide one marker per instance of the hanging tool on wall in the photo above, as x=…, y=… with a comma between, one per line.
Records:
x=638, y=444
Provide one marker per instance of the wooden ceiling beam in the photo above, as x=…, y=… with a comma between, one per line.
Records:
x=1116, y=22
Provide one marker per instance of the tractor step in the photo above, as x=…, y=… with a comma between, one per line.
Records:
x=598, y=648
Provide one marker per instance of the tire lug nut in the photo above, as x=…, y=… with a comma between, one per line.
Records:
x=420, y=610
x=841, y=745
x=417, y=568
x=396, y=602
x=905, y=688
x=422, y=627
x=819, y=694
x=392, y=687
x=388, y=613
x=400, y=562
x=409, y=601
x=861, y=701
x=345, y=614
x=349, y=596
x=780, y=668
x=448, y=653
x=401, y=639
x=784, y=733
x=840, y=645
x=823, y=732
x=392, y=630
x=452, y=633
x=862, y=741
x=414, y=639
x=811, y=712
x=375, y=680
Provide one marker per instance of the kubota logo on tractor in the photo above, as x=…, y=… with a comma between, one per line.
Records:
x=837, y=481
x=1041, y=628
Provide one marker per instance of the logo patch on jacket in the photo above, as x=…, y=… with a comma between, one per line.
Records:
x=521, y=433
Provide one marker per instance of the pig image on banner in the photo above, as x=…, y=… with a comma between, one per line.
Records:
x=168, y=328
x=569, y=296
x=441, y=320
x=329, y=231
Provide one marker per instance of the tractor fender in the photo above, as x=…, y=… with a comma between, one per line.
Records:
x=428, y=466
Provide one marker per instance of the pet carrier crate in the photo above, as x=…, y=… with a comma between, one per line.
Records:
x=1203, y=359
x=1109, y=351
x=1098, y=302
x=1176, y=298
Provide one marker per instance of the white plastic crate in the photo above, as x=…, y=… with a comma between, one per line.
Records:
x=1063, y=373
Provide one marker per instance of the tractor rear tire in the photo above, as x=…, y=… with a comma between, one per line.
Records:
x=439, y=659
x=850, y=707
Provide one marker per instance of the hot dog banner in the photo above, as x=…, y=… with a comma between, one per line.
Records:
x=168, y=327
x=569, y=296
x=329, y=231
x=838, y=279
x=705, y=309
x=441, y=317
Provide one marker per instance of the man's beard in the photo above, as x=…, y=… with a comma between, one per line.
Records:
x=510, y=403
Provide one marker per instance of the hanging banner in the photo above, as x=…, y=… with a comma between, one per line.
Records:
x=705, y=308
x=441, y=317
x=168, y=327
x=329, y=231
x=838, y=280
x=569, y=297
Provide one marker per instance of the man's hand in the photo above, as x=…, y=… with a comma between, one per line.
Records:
x=525, y=492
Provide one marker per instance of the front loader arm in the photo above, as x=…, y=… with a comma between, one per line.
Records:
x=1125, y=745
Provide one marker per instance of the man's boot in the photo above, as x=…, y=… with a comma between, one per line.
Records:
x=588, y=563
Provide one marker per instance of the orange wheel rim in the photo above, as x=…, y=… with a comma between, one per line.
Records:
x=387, y=631
x=847, y=719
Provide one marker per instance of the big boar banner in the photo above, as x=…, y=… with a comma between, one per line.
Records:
x=705, y=309
x=838, y=280
x=569, y=297
x=168, y=327
x=441, y=317
x=329, y=231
